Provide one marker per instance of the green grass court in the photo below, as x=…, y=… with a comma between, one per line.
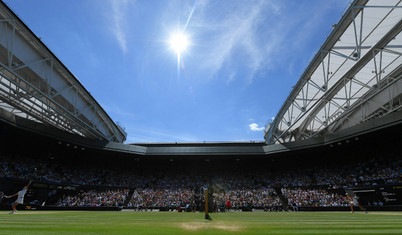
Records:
x=90, y=222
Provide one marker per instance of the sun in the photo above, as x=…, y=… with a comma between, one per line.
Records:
x=179, y=42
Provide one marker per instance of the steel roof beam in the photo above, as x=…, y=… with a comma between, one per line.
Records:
x=340, y=28
x=360, y=106
x=352, y=72
x=40, y=71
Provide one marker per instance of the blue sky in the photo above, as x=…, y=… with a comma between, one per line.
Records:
x=242, y=61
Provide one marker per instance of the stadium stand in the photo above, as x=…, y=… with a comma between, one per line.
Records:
x=94, y=198
x=310, y=159
x=165, y=199
x=80, y=184
x=240, y=199
x=313, y=197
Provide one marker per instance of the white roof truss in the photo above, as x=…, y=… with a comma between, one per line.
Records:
x=359, y=61
x=34, y=84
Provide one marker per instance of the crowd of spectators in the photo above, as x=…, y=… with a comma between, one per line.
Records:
x=248, y=198
x=53, y=172
x=165, y=198
x=169, y=191
x=95, y=199
x=156, y=190
x=313, y=197
x=360, y=174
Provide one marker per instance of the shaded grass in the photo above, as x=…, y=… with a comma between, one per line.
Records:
x=91, y=222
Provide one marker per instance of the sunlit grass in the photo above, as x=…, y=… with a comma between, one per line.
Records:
x=90, y=222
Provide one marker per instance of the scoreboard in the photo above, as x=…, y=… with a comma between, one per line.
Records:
x=392, y=194
x=381, y=195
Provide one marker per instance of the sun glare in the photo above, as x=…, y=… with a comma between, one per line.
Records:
x=179, y=43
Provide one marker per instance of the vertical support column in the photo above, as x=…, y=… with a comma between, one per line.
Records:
x=325, y=70
x=9, y=41
x=378, y=69
x=361, y=33
x=49, y=78
x=358, y=38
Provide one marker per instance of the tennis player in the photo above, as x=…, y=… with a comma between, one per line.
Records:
x=353, y=202
x=20, y=198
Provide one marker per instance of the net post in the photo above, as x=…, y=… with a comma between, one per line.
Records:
x=207, y=217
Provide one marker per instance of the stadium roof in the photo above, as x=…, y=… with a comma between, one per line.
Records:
x=34, y=84
x=354, y=77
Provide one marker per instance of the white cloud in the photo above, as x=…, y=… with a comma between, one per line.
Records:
x=255, y=127
x=249, y=37
x=119, y=10
x=149, y=134
x=238, y=33
x=231, y=77
x=114, y=109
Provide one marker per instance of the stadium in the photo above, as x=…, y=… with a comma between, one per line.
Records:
x=336, y=136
